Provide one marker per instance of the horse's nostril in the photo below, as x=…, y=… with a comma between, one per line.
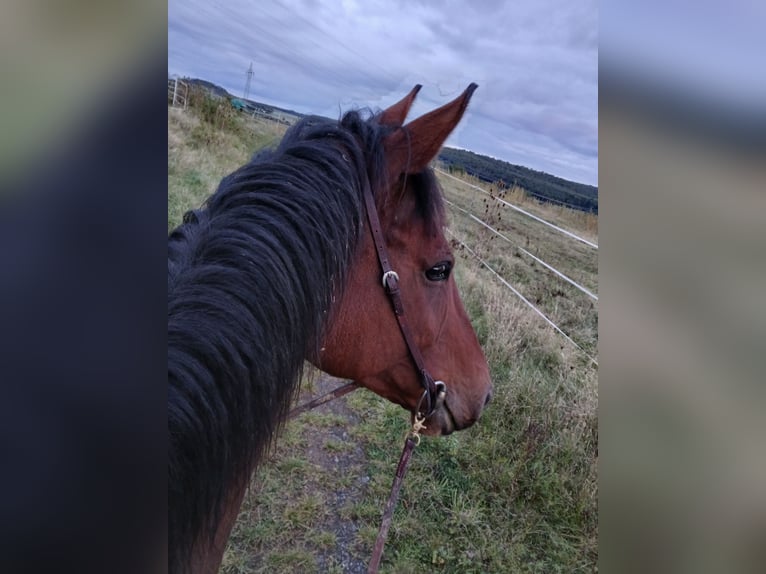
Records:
x=489, y=398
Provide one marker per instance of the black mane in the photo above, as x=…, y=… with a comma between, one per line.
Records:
x=250, y=281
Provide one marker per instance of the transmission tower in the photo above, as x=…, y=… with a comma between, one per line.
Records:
x=249, y=75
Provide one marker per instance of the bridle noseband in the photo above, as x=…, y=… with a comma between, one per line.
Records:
x=434, y=391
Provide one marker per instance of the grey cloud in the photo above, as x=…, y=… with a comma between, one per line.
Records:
x=536, y=65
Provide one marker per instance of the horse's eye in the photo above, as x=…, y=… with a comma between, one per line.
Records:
x=439, y=272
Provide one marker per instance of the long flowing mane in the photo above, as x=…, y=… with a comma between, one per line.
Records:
x=251, y=276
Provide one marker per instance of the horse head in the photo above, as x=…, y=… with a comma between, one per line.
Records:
x=363, y=340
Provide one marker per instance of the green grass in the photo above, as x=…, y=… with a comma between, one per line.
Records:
x=199, y=155
x=517, y=492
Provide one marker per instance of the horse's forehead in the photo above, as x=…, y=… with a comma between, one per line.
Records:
x=420, y=238
x=417, y=197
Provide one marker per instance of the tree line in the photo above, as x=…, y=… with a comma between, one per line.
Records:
x=541, y=185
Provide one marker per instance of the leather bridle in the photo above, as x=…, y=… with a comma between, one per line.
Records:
x=434, y=391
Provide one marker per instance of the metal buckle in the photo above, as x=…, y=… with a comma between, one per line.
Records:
x=388, y=274
x=441, y=393
x=436, y=403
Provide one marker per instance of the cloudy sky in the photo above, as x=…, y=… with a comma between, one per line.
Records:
x=536, y=63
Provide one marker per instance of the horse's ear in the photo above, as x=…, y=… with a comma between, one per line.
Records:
x=410, y=149
x=396, y=114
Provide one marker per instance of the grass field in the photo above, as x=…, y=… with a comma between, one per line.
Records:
x=517, y=492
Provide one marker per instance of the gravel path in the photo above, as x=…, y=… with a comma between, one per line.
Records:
x=351, y=459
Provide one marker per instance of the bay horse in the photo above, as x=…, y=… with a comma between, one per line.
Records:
x=280, y=265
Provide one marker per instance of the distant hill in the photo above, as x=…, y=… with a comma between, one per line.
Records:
x=209, y=86
x=251, y=105
x=541, y=185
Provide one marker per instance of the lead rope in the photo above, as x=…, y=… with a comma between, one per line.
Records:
x=412, y=440
x=326, y=398
x=433, y=394
x=434, y=391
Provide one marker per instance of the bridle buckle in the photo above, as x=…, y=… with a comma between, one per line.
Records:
x=386, y=276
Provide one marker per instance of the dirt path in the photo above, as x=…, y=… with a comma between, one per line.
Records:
x=347, y=463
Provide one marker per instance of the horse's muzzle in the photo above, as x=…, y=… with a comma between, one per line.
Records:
x=444, y=421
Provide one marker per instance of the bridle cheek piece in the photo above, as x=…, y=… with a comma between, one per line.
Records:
x=434, y=392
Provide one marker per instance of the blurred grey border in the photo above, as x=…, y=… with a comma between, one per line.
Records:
x=682, y=184
x=61, y=61
x=83, y=429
